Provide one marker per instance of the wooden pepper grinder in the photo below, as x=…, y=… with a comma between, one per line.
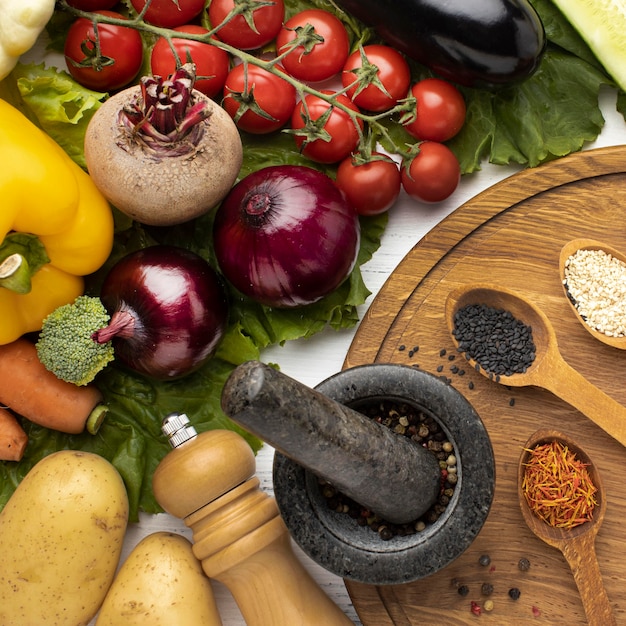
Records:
x=209, y=481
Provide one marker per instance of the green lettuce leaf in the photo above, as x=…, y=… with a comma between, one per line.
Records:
x=55, y=102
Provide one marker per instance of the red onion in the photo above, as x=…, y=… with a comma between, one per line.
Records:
x=168, y=311
x=286, y=236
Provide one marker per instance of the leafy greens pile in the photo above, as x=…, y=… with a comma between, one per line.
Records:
x=548, y=116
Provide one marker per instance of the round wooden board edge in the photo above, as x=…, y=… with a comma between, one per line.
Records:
x=416, y=265
x=459, y=225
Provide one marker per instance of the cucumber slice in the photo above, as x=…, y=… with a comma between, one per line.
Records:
x=602, y=24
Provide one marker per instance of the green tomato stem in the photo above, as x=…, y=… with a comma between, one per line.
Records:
x=377, y=129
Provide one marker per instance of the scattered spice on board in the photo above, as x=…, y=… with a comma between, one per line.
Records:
x=557, y=486
x=499, y=343
x=475, y=608
x=596, y=284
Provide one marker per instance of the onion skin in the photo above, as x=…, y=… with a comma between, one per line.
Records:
x=168, y=311
x=286, y=236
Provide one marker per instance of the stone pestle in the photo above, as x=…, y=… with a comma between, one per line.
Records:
x=385, y=472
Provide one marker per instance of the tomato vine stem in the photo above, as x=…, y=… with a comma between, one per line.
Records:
x=404, y=109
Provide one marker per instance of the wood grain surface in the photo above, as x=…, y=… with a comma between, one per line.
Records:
x=511, y=235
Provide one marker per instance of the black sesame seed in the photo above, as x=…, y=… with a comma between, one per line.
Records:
x=497, y=341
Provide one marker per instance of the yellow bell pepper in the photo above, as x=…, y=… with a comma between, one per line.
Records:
x=55, y=226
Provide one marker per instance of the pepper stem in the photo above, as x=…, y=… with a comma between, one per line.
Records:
x=22, y=255
x=15, y=274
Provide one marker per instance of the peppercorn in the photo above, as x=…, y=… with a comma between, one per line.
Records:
x=523, y=564
x=514, y=593
x=484, y=560
x=385, y=533
x=486, y=589
x=475, y=608
x=463, y=590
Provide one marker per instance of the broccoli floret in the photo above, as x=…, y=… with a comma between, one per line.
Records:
x=65, y=346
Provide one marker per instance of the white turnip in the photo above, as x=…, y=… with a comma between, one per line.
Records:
x=162, y=152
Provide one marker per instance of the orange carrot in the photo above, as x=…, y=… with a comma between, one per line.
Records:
x=32, y=391
x=13, y=439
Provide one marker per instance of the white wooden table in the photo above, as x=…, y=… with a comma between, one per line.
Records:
x=311, y=361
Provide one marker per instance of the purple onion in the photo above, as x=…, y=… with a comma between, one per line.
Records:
x=286, y=236
x=168, y=311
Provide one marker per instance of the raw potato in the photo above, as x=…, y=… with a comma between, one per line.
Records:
x=61, y=536
x=161, y=583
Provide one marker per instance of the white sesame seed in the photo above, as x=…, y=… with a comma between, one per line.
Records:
x=596, y=283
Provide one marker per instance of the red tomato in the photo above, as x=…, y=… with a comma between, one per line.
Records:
x=92, y=5
x=372, y=187
x=325, y=58
x=440, y=110
x=120, y=58
x=344, y=136
x=433, y=174
x=393, y=74
x=275, y=97
x=212, y=63
x=169, y=13
x=267, y=20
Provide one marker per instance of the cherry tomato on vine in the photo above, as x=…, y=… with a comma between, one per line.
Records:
x=373, y=187
x=433, y=174
x=343, y=136
x=392, y=81
x=440, y=110
x=212, y=63
x=169, y=13
x=260, y=103
x=92, y=5
x=116, y=63
x=326, y=58
x=267, y=21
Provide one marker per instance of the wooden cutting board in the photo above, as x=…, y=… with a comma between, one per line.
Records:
x=511, y=234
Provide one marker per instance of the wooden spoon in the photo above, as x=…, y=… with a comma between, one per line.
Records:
x=578, y=543
x=567, y=251
x=549, y=369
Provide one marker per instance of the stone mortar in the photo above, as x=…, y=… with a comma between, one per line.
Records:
x=336, y=542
